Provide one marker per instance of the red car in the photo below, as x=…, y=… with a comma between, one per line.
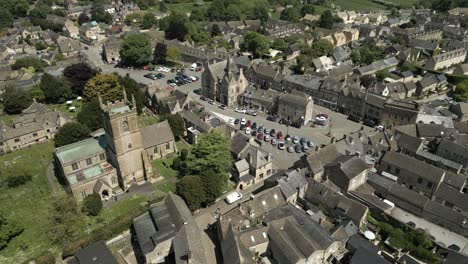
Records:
x=249, y=123
x=260, y=136
x=279, y=135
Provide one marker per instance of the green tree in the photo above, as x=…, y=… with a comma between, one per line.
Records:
x=190, y=188
x=290, y=14
x=91, y=115
x=159, y=54
x=78, y=74
x=326, y=20
x=184, y=154
x=173, y=54
x=162, y=6
x=66, y=219
x=261, y=12
x=56, y=90
x=92, y=204
x=461, y=92
x=307, y=9
x=177, y=124
x=136, y=50
x=320, y=47
x=356, y=56
x=98, y=12
x=132, y=88
x=83, y=18
x=6, y=19
x=279, y=44
x=26, y=62
x=148, y=21
x=255, y=43
x=175, y=26
x=14, y=100
x=213, y=152
x=213, y=185
x=382, y=74
x=107, y=85
x=215, y=31
x=216, y=10
x=8, y=230
x=70, y=133
x=232, y=13
x=36, y=93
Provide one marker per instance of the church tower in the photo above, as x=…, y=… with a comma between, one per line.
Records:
x=233, y=83
x=124, y=141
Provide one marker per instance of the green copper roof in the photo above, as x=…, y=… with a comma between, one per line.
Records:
x=85, y=174
x=81, y=149
x=121, y=109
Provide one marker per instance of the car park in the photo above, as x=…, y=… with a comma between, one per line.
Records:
x=233, y=197
x=298, y=148
x=281, y=145
x=290, y=149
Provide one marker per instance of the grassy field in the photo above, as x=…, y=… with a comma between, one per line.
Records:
x=164, y=166
x=28, y=204
x=64, y=108
x=356, y=4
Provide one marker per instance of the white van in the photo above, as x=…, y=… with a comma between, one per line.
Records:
x=193, y=66
x=233, y=197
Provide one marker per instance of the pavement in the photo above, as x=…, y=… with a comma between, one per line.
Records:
x=442, y=236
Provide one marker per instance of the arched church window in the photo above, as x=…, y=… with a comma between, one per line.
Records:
x=125, y=126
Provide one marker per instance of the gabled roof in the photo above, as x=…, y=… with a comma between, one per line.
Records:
x=156, y=134
x=188, y=240
x=97, y=253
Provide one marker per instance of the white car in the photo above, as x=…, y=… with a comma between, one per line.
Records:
x=251, y=112
x=233, y=197
x=243, y=121
x=380, y=128
x=231, y=121
x=240, y=110
x=165, y=69
x=160, y=69
x=248, y=130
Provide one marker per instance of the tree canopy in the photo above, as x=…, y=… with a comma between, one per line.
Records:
x=136, y=50
x=8, y=230
x=326, y=19
x=175, y=26
x=78, y=74
x=26, y=62
x=14, y=100
x=461, y=92
x=177, y=124
x=107, y=85
x=66, y=218
x=70, y=133
x=6, y=19
x=255, y=43
x=92, y=204
x=90, y=115
x=56, y=90
x=320, y=47
x=132, y=88
x=191, y=190
x=148, y=21
x=290, y=14
x=159, y=54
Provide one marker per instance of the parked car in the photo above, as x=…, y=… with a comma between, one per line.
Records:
x=247, y=130
x=233, y=197
x=160, y=75
x=266, y=131
x=288, y=138
x=203, y=98
x=231, y=121
x=254, y=126
x=272, y=118
x=211, y=102
x=322, y=115
x=284, y=122
x=248, y=124
x=236, y=121
x=354, y=118
x=197, y=91
x=281, y=145
x=305, y=148
x=279, y=135
x=310, y=143
x=303, y=141
x=243, y=121
x=260, y=128
x=380, y=128
x=251, y=112
x=290, y=149
x=266, y=137
x=273, y=133
x=260, y=136
x=298, y=148
x=370, y=122
x=274, y=141
x=222, y=107
x=295, y=140
x=320, y=120
x=239, y=110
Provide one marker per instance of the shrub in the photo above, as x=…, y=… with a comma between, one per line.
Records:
x=176, y=163
x=15, y=181
x=46, y=258
x=183, y=154
x=92, y=204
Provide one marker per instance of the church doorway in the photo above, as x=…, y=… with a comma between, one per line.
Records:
x=105, y=194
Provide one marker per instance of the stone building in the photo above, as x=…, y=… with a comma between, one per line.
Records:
x=296, y=107
x=36, y=124
x=446, y=60
x=112, y=50
x=397, y=113
x=223, y=82
x=116, y=159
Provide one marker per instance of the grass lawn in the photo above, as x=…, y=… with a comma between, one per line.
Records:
x=146, y=120
x=178, y=7
x=162, y=189
x=64, y=108
x=116, y=210
x=356, y=4
x=28, y=205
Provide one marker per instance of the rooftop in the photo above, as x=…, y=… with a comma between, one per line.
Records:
x=81, y=149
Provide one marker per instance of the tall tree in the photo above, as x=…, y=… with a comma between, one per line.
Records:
x=177, y=124
x=14, y=100
x=56, y=90
x=66, y=218
x=83, y=18
x=232, y=13
x=26, y=62
x=107, y=85
x=290, y=14
x=320, y=47
x=255, y=43
x=91, y=115
x=70, y=133
x=162, y=6
x=191, y=189
x=175, y=26
x=215, y=30
x=173, y=54
x=148, y=21
x=261, y=12
x=159, y=55
x=92, y=204
x=326, y=19
x=78, y=75
x=6, y=19
x=213, y=185
x=307, y=9
x=136, y=50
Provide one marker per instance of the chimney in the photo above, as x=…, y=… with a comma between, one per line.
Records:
x=317, y=148
x=333, y=140
x=351, y=140
x=269, y=157
x=360, y=135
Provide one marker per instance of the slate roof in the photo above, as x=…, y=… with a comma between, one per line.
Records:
x=455, y=180
x=408, y=142
x=81, y=149
x=363, y=256
x=414, y=166
x=455, y=197
x=97, y=253
x=239, y=142
x=188, y=240
x=407, y=195
x=156, y=134
x=295, y=99
x=291, y=183
x=429, y=130
x=234, y=251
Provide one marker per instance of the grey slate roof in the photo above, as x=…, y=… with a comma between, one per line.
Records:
x=455, y=197
x=363, y=256
x=188, y=239
x=156, y=134
x=408, y=142
x=239, y=142
x=97, y=253
x=407, y=195
x=295, y=99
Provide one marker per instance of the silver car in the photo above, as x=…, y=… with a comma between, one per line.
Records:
x=290, y=149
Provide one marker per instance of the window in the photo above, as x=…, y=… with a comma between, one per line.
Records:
x=125, y=126
x=17, y=140
x=34, y=134
x=155, y=150
x=420, y=180
x=397, y=171
x=102, y=156
x=74, y=166
x=168, y=146
x=129, y=145
x=83, y=193
x=89, y=161
x=113, y=180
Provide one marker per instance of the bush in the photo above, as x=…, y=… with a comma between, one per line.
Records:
x=92, y=204
x=176, y=163
x=15, y=181
x=183, y=154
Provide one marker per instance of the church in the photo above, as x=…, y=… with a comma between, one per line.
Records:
x=111, y=161
x=223, y=82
